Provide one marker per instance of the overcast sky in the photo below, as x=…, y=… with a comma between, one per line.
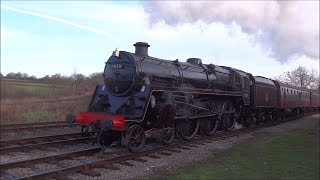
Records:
x=264, y=38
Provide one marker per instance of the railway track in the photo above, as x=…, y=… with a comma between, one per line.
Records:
x=85, y=167
x=32, y=126
x=24, y=144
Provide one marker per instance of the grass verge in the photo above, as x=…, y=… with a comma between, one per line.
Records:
x=24, y=89
x=42, y=111
x=291, y=156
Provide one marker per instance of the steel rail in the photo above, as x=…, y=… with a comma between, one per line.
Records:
x=25, y=140
x=30, y=162
x=36, y=126
x=40, y=145
x=30, y=124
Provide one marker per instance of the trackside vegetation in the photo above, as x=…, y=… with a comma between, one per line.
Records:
x=44, y=99
x=291, y=156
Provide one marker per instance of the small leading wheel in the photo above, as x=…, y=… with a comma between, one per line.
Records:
x=85, y=131
x=105, y=139
x=188, y=128
x=136, y=138
x=210, y=125
x=167, y=136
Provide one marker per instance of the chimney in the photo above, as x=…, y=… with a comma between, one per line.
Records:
x=141, y=48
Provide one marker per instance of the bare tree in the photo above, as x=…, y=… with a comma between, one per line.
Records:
x=301, y=77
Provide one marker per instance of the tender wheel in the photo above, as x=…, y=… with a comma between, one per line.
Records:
x=188, y=128
x=209, y=125
x=167, y=136
x=250, y=121
x=269, y=117
x=263, y=118
x=257, y=119
x=136, y=138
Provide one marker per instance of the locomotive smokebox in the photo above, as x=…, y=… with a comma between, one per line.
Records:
x=141, y=48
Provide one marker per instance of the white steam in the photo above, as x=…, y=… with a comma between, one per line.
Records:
x=287, y=28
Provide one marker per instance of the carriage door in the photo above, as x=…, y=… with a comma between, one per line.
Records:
x=299, y=95
x=285, y=98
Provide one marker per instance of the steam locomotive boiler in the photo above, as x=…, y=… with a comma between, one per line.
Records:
x=143, y=96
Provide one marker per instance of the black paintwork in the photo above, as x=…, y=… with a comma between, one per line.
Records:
x=134, y=70
x=130, y=77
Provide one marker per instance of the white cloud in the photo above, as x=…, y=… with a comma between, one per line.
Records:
x=288, y=28
x=213, y=42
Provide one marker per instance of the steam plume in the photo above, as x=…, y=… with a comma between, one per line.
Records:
x=287, y=28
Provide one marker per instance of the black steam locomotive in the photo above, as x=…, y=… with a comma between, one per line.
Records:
x=143, y=97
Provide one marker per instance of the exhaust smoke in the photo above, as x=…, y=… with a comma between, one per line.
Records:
x=284, y=28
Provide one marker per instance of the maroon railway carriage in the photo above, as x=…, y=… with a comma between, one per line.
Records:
x=296, y=99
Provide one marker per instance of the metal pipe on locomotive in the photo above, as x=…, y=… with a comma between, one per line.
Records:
x=143, y=96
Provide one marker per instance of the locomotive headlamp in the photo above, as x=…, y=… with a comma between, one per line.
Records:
x=115, y=52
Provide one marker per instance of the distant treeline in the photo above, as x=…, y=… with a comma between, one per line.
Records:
x=75, y=78
x=24, y=85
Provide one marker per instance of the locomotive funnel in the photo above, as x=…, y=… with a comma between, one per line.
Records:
x=141, y=48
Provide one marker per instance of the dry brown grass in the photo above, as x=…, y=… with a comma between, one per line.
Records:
x=39, y=110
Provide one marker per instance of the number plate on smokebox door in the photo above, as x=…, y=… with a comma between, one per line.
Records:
x=116, y=66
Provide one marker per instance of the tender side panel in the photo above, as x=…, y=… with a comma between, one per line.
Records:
x=265, y=93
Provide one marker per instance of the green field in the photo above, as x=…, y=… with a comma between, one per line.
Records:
x=26, y=89
x=291, y=156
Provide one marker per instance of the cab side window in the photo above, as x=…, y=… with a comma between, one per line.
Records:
x=247, y=81
x=237, y=82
